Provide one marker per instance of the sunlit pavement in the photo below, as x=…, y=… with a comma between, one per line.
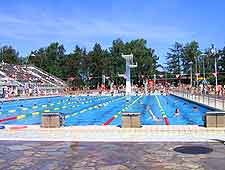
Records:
x=111, y=155
x=178, y=133
x=150, y=147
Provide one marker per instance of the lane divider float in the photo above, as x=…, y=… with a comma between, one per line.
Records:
x=118, y=113
x=17, y=127
x=162, y=111
x=46, y=105
x=42, y=105
x=93, y=107
x=23, y=116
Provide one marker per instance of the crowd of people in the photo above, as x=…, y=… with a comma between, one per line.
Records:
x=202, y=89
x=35, y=82
x=157, y=88
x=21, y=80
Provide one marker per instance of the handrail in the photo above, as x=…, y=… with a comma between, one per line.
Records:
x=217, y=102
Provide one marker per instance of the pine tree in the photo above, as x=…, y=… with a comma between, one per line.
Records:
x=174, y=58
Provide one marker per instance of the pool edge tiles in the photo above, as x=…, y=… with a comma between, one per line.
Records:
x=112, y=133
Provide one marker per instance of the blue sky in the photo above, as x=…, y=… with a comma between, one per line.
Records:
x=31, y=24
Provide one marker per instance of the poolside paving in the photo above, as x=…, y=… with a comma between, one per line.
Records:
x=48, y=155
x=149, y=147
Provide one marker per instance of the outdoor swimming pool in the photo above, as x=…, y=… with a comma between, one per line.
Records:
x=99, y=110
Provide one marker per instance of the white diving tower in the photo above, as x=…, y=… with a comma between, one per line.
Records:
x=129, y=65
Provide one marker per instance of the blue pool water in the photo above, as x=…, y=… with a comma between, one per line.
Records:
x=96, y=110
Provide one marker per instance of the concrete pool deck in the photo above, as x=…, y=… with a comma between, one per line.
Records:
x=173, y=133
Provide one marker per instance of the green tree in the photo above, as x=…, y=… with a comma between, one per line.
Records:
x=9, y=55
x=97, y=64
x=191, y=53
x=174, y=58
x=38, y=58
x=145, y=58
x=117, y=63
x=73, y=66
x=84, y=68
x=50, y=59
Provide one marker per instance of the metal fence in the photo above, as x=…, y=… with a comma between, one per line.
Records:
x=214, y=101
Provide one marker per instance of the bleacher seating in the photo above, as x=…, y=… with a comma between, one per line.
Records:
x=46, y=76
x=30, y=77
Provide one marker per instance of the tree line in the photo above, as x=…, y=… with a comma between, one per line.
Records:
x=87, y=68
x=181, y=59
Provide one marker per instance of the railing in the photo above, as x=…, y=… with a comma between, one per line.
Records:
x=214, y=101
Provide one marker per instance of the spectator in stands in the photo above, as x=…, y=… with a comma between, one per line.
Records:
x=3, y=92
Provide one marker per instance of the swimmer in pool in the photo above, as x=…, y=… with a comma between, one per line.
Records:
x=177, y=112
x=158, y=119
x=148, y=108
x=195, y=109
x=98, y=106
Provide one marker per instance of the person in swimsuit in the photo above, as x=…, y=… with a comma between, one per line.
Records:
x=195, y=109
x=177, y=112
x=148, y=108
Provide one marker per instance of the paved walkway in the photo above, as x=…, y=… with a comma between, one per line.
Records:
x=22, y=155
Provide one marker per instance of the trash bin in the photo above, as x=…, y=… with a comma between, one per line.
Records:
x=131, y=120
x=52, y=120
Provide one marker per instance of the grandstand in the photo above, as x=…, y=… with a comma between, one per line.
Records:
x=21, y=80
